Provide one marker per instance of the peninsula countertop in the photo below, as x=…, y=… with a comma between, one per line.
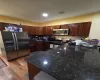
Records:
x=68, y=62
x=52, y=42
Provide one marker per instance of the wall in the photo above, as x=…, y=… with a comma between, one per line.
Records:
x=95, y=27
x=7, y=19
x=77, y=19
x=93, y=17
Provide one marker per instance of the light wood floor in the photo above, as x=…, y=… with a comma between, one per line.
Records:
x=15, y=70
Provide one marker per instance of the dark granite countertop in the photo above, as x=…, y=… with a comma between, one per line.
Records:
x=52, y=42
x=68, y=62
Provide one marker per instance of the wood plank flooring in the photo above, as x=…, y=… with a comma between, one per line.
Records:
x=15, y=70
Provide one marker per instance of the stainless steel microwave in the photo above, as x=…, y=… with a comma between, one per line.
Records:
x=60, y=31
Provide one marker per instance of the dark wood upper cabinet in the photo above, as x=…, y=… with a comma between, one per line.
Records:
x=79, y=29
x=64, y=26
x=50, y=31
x=84, y=29
x=36, y=31
x=56, y=27
x=73, y=29
x=32, y=30
x=39, y=30
x=47, y=30
x=2, y=27
x=25, y=28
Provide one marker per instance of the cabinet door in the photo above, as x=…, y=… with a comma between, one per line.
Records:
x=64, y=26
x=32, y=46
x=50, y=31
x=87, y=26
x=26, y=28
x=84, y=29
x=47, y=30
x=39, y=30
x=32, y=30
x=39, y=46
x=2, y=27
x=73, y=29
x=56, y=27
x=46, y=45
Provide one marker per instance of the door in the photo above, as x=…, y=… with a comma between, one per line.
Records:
x=22, y=41
x=10, y=46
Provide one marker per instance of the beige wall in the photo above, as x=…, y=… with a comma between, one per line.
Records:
x=77, y=19
x=82, y=18
x=94, y=17
x=95, y=27
x=7, y=19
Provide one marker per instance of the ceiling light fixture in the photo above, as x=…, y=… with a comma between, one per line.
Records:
x=61, y=12
x=45, y=14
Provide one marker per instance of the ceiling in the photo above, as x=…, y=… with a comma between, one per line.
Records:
x=32, y=9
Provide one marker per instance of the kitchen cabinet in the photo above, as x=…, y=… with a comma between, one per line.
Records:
x=64, y=26
x=39, y=30
x=84, y=29
x=56, y=27
x=32, y=30
x=39, y=46
x=2, y=27
x=26, y=28
x=47, y=30
x=73, y=29
x=46, y=45
x=32, y=46
x=79, y=29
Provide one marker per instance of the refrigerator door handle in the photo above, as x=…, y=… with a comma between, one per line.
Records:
x=14, y=41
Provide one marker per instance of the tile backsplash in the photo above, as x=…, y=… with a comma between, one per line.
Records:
x=68, y=37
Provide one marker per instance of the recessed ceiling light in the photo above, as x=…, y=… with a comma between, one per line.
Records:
x=45, y=14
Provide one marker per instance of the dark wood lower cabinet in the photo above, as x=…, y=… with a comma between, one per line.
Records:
x=33, y=71
x=46, y=46
x=32, y=47
x=39, y=46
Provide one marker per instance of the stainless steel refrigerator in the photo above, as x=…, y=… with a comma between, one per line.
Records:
x=14, y=45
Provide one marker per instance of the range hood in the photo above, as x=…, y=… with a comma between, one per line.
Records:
x=60, y=31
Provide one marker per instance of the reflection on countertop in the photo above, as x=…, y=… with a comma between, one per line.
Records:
x=68, y=62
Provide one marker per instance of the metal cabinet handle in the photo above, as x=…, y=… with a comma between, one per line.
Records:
x=14, y=41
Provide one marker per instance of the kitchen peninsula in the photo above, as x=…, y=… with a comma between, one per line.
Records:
x=66, y=62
